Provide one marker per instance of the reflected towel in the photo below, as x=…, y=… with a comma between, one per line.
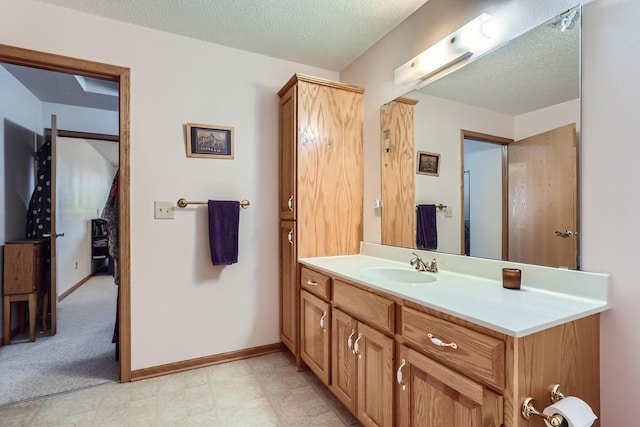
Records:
x=224, y=219
x=426, y=230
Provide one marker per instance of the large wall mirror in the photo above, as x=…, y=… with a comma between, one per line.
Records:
x=503, y=131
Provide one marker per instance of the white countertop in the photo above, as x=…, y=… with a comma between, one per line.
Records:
x=477, y=299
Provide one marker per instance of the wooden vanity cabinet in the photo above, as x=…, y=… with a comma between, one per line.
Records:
x=362, y=353
x=430, y=394
x=321, y=183
x=397, y=374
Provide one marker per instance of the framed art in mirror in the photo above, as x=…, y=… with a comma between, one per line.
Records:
x=209, y=141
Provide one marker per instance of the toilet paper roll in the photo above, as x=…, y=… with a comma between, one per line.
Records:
x=576, y=412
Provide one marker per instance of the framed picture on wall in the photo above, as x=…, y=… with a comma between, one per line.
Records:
x=210, y=141
x=428, y=163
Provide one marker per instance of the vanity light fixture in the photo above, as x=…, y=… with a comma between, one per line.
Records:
x=473, y=38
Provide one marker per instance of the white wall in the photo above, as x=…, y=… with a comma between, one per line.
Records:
x=84, y=179
x=437, y=129
x=535, y=122
x=609, y=205
x=80, y=119
x=19, y=122
x=484, y=163
x=182, y=307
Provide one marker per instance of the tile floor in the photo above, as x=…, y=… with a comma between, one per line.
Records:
x=261, y=391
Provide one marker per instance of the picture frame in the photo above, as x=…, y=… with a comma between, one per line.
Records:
x=428, y=163
x=209, y=141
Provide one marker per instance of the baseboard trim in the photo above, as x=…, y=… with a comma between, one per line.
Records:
x=74, y=287
x=200, y=362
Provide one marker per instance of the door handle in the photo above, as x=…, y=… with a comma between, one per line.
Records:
x=350, y=339
x=290, y=203
x=57, y=235
x=290, y=237
x=566, y=233
x=324, y=315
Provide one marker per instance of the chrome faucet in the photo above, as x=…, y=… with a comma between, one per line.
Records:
x=420, y=265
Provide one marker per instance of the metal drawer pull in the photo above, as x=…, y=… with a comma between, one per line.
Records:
x=312, y=283
x=350, y=339
x=290, y=203
x=324, y=314
x=440, y=343
x=290, y=237
x=399, y=375
x=355, y=344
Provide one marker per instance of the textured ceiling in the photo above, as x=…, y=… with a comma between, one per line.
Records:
x=324, y=33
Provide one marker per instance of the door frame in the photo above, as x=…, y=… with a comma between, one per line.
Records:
x=504, y=142
x=53, y=62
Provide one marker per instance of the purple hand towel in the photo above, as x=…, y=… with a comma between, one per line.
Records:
x=224, y=218
x=426, y=230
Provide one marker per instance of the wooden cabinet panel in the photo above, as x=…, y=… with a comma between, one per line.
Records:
x=24, y=268
x=343, y=360
x=329, y=170
x=398, y=173
x=288, y=287
x=314, y=339
x=316, y=283
x=429, y=394
x=288, y=131
x=366, y=306
x=478, y=355
x=375, y=377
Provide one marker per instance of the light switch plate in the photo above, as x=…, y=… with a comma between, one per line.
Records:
x=163, y=210
x=448, y=212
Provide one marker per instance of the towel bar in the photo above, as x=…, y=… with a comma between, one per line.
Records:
x=440, y=206
x=244, y=203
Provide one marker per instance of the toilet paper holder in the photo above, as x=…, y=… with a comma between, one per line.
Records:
x=529, y=407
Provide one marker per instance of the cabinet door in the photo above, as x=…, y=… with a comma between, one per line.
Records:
x=343, y=359
x=288, y=287
x=288, y=136
x=314, y=337
x=429, y=394
x=375, y=377
x=329, y=170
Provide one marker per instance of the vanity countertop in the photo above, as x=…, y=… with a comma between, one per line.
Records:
x=477, y=299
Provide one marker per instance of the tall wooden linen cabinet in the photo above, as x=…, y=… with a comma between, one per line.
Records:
x=321, y=183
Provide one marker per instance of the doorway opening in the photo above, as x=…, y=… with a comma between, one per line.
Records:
x=46, y=61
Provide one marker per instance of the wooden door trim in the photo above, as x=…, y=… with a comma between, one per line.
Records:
x=53, y=62
x=491, y=139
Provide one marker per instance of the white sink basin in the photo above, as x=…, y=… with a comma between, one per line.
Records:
x=398, y=275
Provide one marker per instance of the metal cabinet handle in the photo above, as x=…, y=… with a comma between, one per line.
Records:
x=312, y=283
x=324, y=314
x=399, y=375
x=441, y=343
x=290, y=237
x=290, y=203
x=356, y=347
x=350, y=339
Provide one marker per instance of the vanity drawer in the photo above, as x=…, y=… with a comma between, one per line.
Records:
x=366, y=306
x=316, y=283
x=476, y=355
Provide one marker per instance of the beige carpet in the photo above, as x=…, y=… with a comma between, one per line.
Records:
x=79, y=355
